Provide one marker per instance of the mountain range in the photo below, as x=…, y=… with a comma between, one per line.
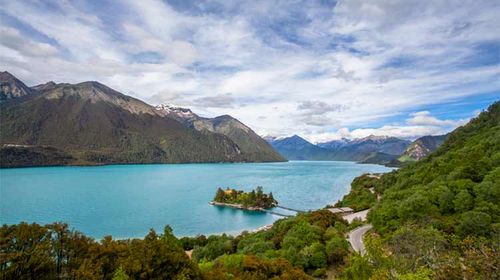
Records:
x=371, y=149
x=89, y=123
x=297, y=148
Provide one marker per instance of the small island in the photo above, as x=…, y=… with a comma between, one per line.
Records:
x=256, y=200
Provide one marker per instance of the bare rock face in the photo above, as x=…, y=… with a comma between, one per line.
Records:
x=11, y=87
x=43, y=87
x=423, y=146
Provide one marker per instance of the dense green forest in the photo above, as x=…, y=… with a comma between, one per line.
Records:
x=308, y=242
x=437, y=218
x=255, y=198
x=362, y=195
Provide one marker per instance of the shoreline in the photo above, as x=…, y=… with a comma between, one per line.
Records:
x=181, y=163
x=239, y=206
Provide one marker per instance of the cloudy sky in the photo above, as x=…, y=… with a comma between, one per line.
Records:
x=320, y=69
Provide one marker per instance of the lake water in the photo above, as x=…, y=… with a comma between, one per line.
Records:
x=128, y=200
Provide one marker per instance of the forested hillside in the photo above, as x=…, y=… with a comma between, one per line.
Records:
x=91, y=124
x=439, y=218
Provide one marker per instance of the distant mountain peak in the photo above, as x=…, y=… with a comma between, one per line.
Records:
x=11, y=87
x=6, y=75
x=295, y=140
x=183, y=115
x=373, y=138
x=169, y=108
x=43, y=87
x=94, y=92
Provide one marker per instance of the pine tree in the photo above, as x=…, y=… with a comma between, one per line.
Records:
x=220, y=195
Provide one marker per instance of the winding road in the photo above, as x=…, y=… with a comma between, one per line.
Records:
x=356, y=238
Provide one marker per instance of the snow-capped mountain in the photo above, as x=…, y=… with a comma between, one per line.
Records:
x=334, y=144
x=183, y=115
x=295, y=147
x=246, y=139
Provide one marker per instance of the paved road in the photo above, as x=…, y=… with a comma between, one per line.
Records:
x=356, y=238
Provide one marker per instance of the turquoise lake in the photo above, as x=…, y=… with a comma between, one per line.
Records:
x=128, y=200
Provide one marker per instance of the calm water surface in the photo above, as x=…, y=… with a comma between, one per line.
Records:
x=128, y=200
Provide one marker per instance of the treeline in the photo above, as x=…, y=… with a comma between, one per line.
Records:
x=32, y=251
x=295, y=248
x=438, y=218
x=254, y=198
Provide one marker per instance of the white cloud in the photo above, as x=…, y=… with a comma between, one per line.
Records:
x=419, y=124
x=341, y=62
x=424, y=118
x=12, y=39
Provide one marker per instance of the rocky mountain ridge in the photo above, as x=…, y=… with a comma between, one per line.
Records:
x=384, y=150
x=90, y=123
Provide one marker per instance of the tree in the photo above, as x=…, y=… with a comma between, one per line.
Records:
x=359, y=268
x=120, y=274
x=474, y=223
x=463, y=201
x=271, y=197
x=220, y=195
x=259, y=193
x=317, y=257
x=252, y=197
x=445, y=200
x=337, y=248
x=26, y=252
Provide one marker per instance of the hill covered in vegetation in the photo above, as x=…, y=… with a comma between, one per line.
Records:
x=438, y=218
x=253, y=146
x=89, y=123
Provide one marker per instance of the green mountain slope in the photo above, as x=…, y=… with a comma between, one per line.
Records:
x=439, y=217
x=379, y=158
x=89, y=123
x=252, y=146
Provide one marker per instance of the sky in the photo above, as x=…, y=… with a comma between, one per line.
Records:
x=320, y=69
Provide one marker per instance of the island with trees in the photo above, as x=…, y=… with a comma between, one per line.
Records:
x=254, y=200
